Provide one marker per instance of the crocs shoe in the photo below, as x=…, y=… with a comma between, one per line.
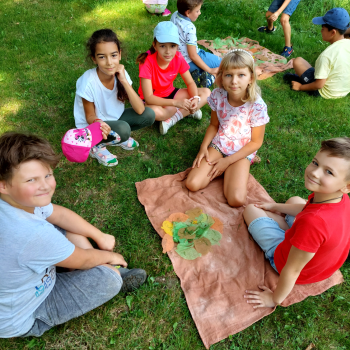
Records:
x=132, y=279
x=166, y=13
x=197, y=115
x=265, y=29
x=103, y=156
x=165, y=125
x=129, y=145
x=287, y=51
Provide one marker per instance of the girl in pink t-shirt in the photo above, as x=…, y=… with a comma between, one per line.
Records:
x=158, y=69
x=236, y=129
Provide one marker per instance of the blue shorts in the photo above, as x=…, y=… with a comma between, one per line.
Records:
x=211, y=60
x=276, y=4
x=308, y=77
x=267, y=233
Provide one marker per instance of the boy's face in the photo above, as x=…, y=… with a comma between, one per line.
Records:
x=194, y=14
x=32, y=185
x=327, y=174
x=327, y=35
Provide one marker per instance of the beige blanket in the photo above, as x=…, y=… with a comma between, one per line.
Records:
x=214, y=284
x=267, y=63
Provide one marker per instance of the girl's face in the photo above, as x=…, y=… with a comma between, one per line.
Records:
x=166, y=51
x=107, y=57
x=235, y=81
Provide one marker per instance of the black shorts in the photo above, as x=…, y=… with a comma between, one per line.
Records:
x=169, y=97
x=308, y=77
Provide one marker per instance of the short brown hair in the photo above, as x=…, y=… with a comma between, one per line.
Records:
x=17, y=148
x=185, y=5
x=338, y=147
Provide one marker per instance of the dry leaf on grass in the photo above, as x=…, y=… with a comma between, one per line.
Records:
x=194, y=213
x=218, y=225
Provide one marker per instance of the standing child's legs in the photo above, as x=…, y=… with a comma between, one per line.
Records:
x=287, y=30
x=198, y=178
x=235, y=182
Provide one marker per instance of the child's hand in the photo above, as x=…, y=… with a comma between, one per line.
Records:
x=117, y=259
x=203, y=153
x=194, y=105
x=296, y=85
x=105, y=128
x=120, y=72
x=263, y=299
x=219, y=166
x=184, y=104
x=106, y=242
x=274, y=16
x=265, y=206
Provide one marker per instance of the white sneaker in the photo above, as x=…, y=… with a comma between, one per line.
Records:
x=165, y=125
x=197, y=115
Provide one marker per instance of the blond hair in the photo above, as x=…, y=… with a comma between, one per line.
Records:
x=240, y=59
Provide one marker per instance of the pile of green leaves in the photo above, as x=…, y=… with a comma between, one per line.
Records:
x=195, y=237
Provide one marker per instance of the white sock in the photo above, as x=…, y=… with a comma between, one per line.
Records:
x=175, y=118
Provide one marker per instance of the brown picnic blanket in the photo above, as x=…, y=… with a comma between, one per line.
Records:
x=214, y=284
x=267, y=63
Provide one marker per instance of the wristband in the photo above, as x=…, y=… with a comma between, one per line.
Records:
x=97, y=119
x=199, y=99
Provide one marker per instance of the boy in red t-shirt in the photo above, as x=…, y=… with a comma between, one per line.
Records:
x=312, y=246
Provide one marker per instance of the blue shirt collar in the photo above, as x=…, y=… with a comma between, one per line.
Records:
x=183, y=17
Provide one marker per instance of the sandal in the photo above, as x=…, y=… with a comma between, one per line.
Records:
x=103, y=156
x=128, y=145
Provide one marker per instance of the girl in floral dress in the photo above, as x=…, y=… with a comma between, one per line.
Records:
x=236, y=129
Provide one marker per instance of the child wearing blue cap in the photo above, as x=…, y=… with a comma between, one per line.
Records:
x=331, y=76
x=159, y=67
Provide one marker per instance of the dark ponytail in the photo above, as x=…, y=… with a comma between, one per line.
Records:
x=107, y=36
x=141, y=58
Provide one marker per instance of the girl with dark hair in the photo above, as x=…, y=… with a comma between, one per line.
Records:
x=101, y=94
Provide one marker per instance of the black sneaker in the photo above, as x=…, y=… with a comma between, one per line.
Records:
x=132, y=279
x=265, y=29
x=289, y=77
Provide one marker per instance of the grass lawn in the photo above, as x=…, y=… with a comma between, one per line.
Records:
x=43, y=55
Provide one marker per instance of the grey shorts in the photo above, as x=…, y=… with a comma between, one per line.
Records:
x=74, y=294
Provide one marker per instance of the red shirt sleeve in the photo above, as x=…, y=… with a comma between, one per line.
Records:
x=310, y=233
x=146, y=69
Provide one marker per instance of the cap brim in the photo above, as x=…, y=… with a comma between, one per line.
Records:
x=318, y=21
x=168, y=39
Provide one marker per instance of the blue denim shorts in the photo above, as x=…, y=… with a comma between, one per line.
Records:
x=308, y=77
x=74, y=294
x=267, y=233
x=211, y=60
x=276, y=4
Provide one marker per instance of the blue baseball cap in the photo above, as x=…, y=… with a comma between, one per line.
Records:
x=337, y=18
x=166, y=32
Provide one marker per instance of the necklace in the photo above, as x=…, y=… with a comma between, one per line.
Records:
x=327, y=200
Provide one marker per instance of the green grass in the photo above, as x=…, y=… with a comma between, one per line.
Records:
x=43, y=55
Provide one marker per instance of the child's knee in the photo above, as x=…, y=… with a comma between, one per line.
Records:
x=204, y=92
x=149, y=116
x=192, y=184
x=248, y=209
x=295, y=200
x=236, y=199
x=284, y=19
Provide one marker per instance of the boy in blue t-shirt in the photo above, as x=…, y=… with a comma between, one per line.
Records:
x=188, y=12
x=36, y=236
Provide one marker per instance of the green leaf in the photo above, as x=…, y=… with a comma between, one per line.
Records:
x=32, y=343
x=213, y=236
x=175, y=326
x=112, y=341
x=129, y=299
